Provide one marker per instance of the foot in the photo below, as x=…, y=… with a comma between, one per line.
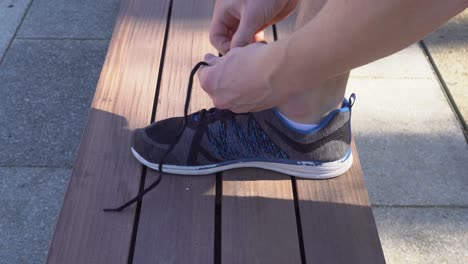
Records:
x=218, y=140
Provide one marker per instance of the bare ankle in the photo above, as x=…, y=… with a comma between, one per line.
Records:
x=312, y=105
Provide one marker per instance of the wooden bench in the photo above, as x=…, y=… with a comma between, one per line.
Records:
x=239, y=216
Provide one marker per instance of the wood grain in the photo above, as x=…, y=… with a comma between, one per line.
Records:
x=258, y=218
x=105, y=173
x=177, y=218
x=337, y=221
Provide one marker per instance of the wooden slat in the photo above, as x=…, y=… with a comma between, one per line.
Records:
x=177, y=218
x=337, y=221
x=258, y=216
x=105, y=173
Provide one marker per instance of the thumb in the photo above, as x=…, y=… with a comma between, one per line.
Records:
x=206, y=74
x=211, y=59
x=245, y=32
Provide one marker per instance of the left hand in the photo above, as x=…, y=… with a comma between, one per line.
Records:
x=238, y=81
x=238, y=23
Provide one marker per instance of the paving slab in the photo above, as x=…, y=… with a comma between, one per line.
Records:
x=31, y=199
x=46, y=89
x=11, y=15
x=449, y=48
x=423, y=235
x=409, y=63
x=70, y=19
x=411, y=147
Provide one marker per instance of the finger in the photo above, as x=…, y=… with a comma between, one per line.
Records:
x=285, y=12
x=220, y=40
x=239, y=109
x=221, y=31
x=211, y=59
x=205, y=77
x=245, y=33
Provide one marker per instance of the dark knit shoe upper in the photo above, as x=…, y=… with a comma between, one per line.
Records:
x=221, y=136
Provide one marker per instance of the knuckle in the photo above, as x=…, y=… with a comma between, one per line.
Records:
x=204, y=83
x=213, y=39
x=237, y=110
x=220, y=103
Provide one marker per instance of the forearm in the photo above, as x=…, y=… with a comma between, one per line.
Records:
x=348, y=34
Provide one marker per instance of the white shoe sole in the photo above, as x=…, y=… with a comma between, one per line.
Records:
x=304, y=169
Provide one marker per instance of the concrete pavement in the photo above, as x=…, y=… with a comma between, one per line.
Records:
x=52, y=54
x=411, y=145
x=448, y=47
x=11, y=16
x=414, y=155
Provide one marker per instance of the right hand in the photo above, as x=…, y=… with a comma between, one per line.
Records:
x=251, y=93
x=238, y=23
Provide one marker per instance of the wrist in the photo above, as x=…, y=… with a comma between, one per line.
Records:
x=282, y=71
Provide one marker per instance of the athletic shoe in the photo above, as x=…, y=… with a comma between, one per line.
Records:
x=216, y=140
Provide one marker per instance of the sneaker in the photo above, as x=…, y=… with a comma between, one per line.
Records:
x=217, y=140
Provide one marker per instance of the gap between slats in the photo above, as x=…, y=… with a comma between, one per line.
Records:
x=294, y=190
x=153, y=117
x=169, y=60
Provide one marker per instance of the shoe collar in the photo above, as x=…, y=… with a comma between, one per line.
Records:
x=345, y=107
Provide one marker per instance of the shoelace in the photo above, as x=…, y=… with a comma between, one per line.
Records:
x=153, y=185
x=202, y=113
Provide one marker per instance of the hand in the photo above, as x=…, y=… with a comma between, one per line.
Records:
x=239, y=80
x=237, y=23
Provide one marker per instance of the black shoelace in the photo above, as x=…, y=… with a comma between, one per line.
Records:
x=153, y=185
